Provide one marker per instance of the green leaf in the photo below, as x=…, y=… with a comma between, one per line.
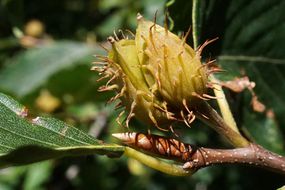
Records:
x=265, y=131
x=257, y=46
x=32, y=68
x=37, y=175
x=23, y=141
x=251, y=41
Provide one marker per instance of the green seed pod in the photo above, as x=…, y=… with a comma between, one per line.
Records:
x=157, y=76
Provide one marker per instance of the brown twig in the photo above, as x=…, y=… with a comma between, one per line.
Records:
x=254, y=155
x=195, y=158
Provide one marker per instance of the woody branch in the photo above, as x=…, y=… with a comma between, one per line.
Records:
x=195, y=158
x=254, y=155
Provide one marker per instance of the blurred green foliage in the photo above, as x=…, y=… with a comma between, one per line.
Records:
x=52, y=67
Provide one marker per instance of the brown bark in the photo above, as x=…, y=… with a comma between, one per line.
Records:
x=195, y=158
x=254, y=155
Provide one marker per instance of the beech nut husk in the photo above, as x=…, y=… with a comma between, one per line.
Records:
x=157, y=76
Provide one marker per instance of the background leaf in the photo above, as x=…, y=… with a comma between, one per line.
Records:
x=37, y=175
x=29, y=70
x=251, y=42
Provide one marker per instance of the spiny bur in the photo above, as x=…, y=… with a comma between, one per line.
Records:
x=157, y=76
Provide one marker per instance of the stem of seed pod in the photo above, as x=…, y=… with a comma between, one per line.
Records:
x=223, y=104
x=209, y=115
x=158, y=164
